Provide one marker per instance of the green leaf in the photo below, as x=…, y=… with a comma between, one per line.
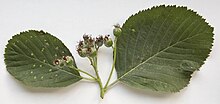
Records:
x=161, y=47
x=30, y=55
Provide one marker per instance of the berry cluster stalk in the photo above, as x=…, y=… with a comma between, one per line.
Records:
x=89, y=48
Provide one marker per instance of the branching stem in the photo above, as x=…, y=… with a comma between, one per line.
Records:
x=93, y=61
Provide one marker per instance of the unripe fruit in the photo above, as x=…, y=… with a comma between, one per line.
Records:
x=91, y=52
x=99, y=41
x=108, y=41
x=82, y=52
x=68, y=60
x=117, y=30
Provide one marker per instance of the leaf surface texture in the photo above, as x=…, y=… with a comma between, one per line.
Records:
x=30, y=55
x=161, y=47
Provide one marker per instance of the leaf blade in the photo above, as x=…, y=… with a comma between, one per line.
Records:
x=29, y=57
x=161, y=47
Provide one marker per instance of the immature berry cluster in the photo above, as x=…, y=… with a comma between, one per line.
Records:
x=89, y=46
x=64, y=61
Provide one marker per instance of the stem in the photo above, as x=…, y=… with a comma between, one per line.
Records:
x=94, y=64
x=84, y=73
x=113, y=65
x=90, y=79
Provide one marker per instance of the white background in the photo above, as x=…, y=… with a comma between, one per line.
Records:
x=69, y=20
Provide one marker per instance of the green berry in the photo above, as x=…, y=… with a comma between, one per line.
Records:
x=82, y=52
x=91, y=42
x=68, y=60
x=117, y=30
x=91, y=52
x=108, y=41
x=99, y=41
